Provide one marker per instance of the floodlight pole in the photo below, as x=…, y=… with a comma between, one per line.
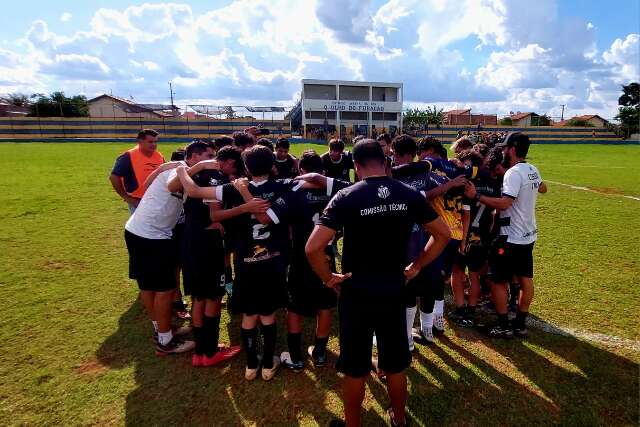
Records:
x=562, y=114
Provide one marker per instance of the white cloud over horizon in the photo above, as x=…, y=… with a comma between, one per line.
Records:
x=257, y=51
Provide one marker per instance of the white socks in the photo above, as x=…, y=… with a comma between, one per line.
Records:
x=438, y=307
x=426, y=322
x=165, y=337
x=411, y=317
x=155, y=326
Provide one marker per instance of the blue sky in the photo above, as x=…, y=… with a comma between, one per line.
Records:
x=495, y=56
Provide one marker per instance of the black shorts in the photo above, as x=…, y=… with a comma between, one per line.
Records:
x=203, y=268
x=307, y=294
x=152, y=262
x=509, y=259
x=177, y=235
x=360, y=318
x=260, y=287
x=475, y=258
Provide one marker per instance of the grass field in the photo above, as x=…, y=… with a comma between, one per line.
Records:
x=76, y=344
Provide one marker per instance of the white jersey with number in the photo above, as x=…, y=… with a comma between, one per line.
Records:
x=158, y=211
x=521, y=182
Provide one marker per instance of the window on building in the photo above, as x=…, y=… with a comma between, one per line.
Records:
x=354, y=93
x=353, y=115
x=319, y=91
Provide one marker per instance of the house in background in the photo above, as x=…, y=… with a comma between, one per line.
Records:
x=9, y=110
x=524, y=119
x=114, y=106
x=593, y=119
x=465, y=117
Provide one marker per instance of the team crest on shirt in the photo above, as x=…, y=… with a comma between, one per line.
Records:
x=383, y=192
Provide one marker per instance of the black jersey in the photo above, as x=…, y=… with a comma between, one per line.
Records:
x=339, y=169
x=286, y=168
x=377, y=216
x=253, y=241
x=481, y=215
x=195, y=210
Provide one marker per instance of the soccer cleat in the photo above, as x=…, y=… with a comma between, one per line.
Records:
x=500, y=332
x=223, y=354
x=318, y=361
x=438, y=324
x=175, y=331
x=521, y=332
x=460, y=320
x=285, y=358
x=175, y=346
x=196, y=360
x=422, y=336
x=268, y=374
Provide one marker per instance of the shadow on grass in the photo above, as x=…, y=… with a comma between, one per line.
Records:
x=474, y=380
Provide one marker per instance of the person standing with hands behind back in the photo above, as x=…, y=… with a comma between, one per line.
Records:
x=371, y=294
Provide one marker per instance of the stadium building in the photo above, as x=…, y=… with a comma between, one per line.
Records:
x=347, y=108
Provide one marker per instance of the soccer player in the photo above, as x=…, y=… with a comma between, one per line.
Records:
x=337, y=163
x=153, y=257
x=286, y=164
x=384, y=139
x=376, y=215
x=307, y=294
x=512, y=253
x=261, y=243
x=134, y=166
x=244, y=140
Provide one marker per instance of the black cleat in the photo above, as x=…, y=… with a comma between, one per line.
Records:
x=500, y=332
x=319, y=361
x=175, y=346
x=297, y=366
x=521, y=332
x=460, y=320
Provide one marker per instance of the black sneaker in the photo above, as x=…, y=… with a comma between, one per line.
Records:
x=500, y=332
x=460, y=320
x=521, y=332
x=319, y=361
x=285, y=358
x=175, y=346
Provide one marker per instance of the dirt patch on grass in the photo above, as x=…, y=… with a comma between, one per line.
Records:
x=608, y=190
x=91, y=367
x=61, y=264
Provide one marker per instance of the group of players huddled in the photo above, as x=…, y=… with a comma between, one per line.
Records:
x=236, y=213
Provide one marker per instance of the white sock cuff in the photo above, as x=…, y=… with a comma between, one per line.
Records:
x=426, y=320
x=438, y=307
x=165, y=337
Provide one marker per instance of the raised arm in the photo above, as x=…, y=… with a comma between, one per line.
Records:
x=191, y=188
x=458, y=181
x=175, y=186
x=500, y=203
x=163, y=167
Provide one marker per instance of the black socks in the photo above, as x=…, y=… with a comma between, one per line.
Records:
x=269, y=335
x=294, y=342
x=320, y=346
x=212, y=334
x=249, y=338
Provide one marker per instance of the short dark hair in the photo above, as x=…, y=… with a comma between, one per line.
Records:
x=520, y=141
x=258, y=160
x=196, y=147
x=462, y=143
x=336, y=144
x=368, y=152
x=384, y=137
x=147, y=132
x=310, y=161
x=177, y=155
x=222, y=141
x=265, y=142
x=403, y=144
x=494, y=158
x=473, y=156
x=283, y=143
x=428, y=143
x=482, y=149
x=242, y=139
x=229, y=152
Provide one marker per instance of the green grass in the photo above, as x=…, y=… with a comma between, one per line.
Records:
x=76, y=346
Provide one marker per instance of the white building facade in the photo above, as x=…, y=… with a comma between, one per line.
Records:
x=350, y=108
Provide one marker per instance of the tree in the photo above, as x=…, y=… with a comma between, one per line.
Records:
x=17, y=99
x=506, y=121
x=434, y=116
x=544, y=120
x=580, y=123
x=629, y=110
x=414, y=117
x=59, y=105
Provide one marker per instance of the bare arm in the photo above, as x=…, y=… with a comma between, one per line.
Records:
x=242, y=186
x=318, y=241
x=458, y=181
x=118, y=186
x=163, y=167
x=253, y=206
x=440, y=235
x=175, y=186
x=543, y=188
x=191, y=188
x=500, y=203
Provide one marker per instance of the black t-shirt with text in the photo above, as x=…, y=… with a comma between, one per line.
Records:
x=196, y=212
x=286, y=168
x=481, y=215
x=377, y=216
x=339, y=169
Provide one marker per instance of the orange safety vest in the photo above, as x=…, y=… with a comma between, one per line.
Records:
x=142, y=168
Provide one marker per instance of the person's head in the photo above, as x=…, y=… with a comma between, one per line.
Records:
x=309, y=162
x=230, y=160
x=265, y=142
x=258, y=160
x=147, y=140
x=515, y=148
x=198, y=151
x=470, y=158
x=336, y=148
x=494, y=161
x=461, y=144
x=404, y=149
x=282, y=148
x=384, y=139
x=428, y=147
x=177, y=155
x=243, y=140
x=369, y=158
x=222, y=141
x=482, y=149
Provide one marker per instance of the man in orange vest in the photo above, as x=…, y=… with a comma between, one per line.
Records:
x=134, y=166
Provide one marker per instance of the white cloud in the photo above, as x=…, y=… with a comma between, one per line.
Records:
x=66, y=17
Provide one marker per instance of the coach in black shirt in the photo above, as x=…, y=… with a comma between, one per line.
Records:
x=376, y=215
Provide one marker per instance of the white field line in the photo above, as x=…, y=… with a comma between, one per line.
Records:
x=591, y=190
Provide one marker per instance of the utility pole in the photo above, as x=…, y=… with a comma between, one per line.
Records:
x=562, y=114
x=171, y=93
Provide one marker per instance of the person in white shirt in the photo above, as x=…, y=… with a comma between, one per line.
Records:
x=512, y=252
